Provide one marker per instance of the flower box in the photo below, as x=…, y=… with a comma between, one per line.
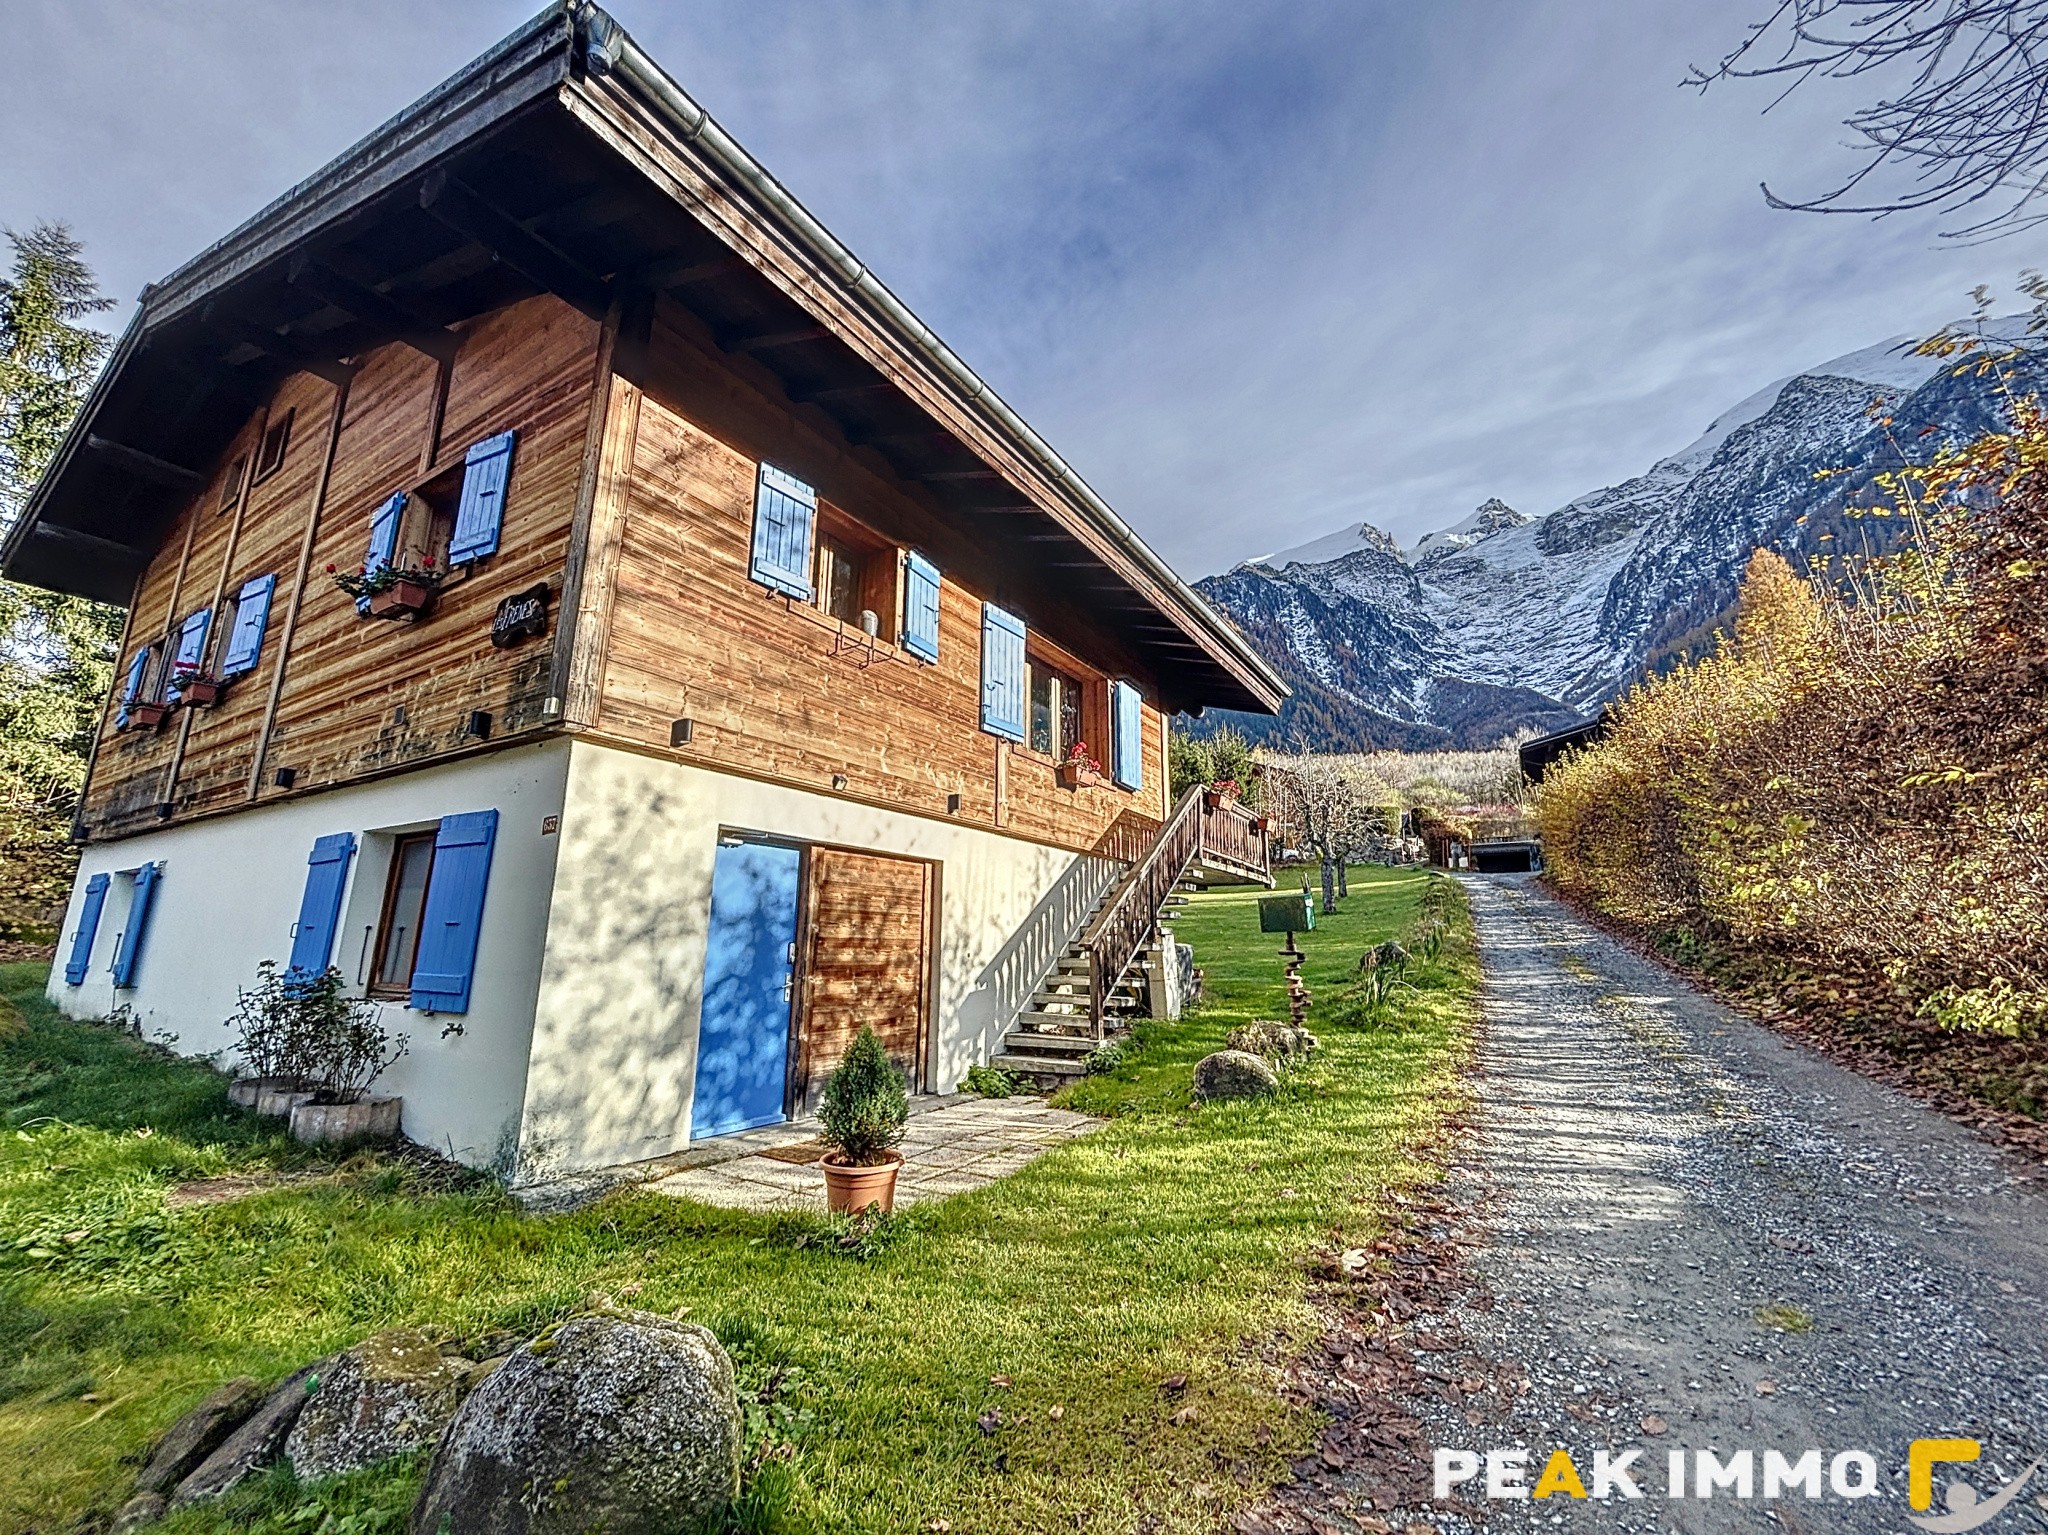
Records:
x=147, y=716
x=201, y=692
x=1077, y=775
x=401, y=599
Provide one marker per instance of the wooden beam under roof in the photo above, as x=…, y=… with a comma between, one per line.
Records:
x=767, y=341
x=286, y=349
x=158, y=471
x=489, y=226
x=372, y=308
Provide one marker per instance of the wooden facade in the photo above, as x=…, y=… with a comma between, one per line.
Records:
x=669, y=625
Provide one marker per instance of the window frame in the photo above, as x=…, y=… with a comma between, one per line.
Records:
x=877, y=572
x=279, y=432
x=1064, y=682
x=231, y=487
x=391, y=991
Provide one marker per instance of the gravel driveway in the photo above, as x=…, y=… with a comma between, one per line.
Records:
x=1697, y=1235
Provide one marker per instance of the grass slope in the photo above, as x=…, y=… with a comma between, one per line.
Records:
x=1171, y=1242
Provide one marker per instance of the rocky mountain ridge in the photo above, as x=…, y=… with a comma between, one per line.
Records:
x=1503, y=622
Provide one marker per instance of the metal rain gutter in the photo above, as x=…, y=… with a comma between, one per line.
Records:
x=608, y=48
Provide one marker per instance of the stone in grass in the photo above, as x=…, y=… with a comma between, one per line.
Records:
x=144, y=1508
x=1274, y=1041
x=1234, y=1074
x=252, y=1446
x=390, y=1394
x=193, y=1437
x=623, y=1422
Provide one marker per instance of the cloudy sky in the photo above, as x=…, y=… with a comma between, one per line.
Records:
x=1258, y=268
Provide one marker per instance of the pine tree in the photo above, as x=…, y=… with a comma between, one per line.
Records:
x=56, y=652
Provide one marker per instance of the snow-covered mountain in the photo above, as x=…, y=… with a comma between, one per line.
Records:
x=1502, y=621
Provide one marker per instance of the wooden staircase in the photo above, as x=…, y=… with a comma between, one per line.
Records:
x=1099, y=981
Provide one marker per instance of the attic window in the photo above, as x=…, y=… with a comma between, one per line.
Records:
x=276, y=437
x=231, y=487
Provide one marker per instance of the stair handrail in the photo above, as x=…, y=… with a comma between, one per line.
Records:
x=1124, y=926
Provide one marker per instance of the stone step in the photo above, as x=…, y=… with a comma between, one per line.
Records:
x=1060, y=1046
x=1040, y=1066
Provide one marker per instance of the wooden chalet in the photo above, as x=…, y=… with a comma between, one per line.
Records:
x=570, y=594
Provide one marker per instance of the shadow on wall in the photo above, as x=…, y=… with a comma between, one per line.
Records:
x=615, y=1049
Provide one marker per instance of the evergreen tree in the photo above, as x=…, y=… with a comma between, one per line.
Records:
x=56, y=652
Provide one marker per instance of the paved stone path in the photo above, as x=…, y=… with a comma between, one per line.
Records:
x=964, y=1144
x=1700, y=1235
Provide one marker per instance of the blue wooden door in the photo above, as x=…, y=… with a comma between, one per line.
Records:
x=749, y=976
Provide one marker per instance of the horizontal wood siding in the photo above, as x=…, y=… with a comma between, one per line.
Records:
x=773, y=688
x=361, y=696
x=865, y=963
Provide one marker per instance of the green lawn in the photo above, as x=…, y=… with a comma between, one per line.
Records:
x=1171, y=1242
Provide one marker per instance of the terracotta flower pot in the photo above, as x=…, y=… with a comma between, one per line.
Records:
x=1076, y=775
x=319, y=1123
x=400, y=599
x=849, y=1189
x=147, y=716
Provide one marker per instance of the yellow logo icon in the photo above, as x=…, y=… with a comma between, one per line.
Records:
x=1966, y=1510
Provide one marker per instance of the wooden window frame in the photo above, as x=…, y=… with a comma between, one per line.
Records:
x=279, y=432
x=231, y=487
x=879, y=586
x=393, y=990
x=1094, y=689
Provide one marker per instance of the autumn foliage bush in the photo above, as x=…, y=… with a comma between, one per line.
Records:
x=1852, y=791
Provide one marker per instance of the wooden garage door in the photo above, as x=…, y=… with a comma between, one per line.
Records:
x=865, y=962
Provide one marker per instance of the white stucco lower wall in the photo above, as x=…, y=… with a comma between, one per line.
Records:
x=614, y=1046
x=230, y=893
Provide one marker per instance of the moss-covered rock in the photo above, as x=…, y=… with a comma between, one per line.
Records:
x=1234, y=1074
x=624, y=1422
x=390, y=1394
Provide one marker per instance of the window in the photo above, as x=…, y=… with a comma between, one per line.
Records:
x=231, y=487
x=1055, y=711
x=839, y=580
x=270, y=456
x=405, y=902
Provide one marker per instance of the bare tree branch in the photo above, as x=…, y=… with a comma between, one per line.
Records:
x=1966, y=135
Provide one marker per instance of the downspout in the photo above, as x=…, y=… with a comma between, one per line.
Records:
x=607, y=48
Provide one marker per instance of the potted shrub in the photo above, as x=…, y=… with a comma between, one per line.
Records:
x=348, y=1048
x=1079, y=771
x=863, y=1114
x=392, y=592
x=270, y=1042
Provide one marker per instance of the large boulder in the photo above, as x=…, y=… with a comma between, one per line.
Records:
x=1284, y=1042
x=1234, y=1074
x=392, y=1393
x=621, y=1422
x=195, y=1436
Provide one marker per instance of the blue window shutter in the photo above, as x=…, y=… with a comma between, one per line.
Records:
x=921, y=608
x=131, y=689
x=128, y=952
x=88, y=927
x=383, y=540
x=455, y=912
x=320, y=906
x=1002, y=673
x=1126, y=708
x=785, y=510
x=191, y=649
x=245, y=639
x=487, y=470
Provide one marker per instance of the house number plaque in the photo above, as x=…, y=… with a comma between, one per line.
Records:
x=522, y=614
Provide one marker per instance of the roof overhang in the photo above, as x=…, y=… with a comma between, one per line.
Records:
x=564, y=160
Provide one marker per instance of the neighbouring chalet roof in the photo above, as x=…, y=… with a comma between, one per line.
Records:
x=564, y=160
x=1538, y=755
